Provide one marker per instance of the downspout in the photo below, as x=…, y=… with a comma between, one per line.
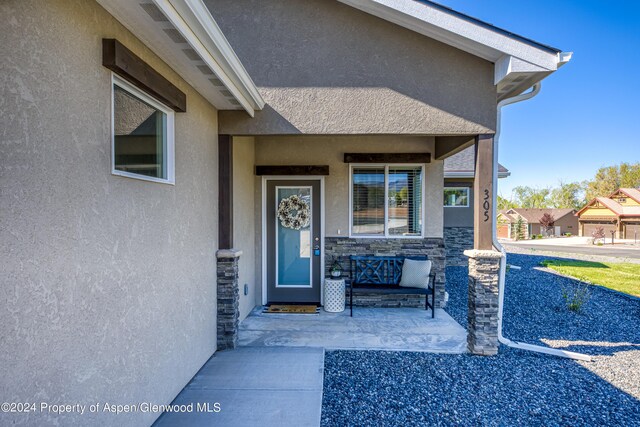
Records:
x=503, y=260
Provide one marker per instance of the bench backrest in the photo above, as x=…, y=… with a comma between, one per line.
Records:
x=378, y=270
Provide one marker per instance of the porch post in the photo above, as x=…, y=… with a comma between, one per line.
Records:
x=483, y=194
x=225, y=192
x=484, y=261
x=227, y=287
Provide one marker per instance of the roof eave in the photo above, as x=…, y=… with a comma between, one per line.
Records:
x=197, y=16
x=226, y=84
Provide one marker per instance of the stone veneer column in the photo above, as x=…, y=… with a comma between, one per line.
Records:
x=482, y=328
x=228, y=298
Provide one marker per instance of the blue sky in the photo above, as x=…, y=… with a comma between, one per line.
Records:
x=588, y=113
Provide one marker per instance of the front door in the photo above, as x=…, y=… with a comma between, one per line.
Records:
x=293, y=245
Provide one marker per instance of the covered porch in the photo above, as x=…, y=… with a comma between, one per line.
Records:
x=408, y=222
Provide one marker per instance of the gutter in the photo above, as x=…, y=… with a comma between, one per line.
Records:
x=503, y=259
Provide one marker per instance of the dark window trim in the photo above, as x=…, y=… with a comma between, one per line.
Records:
x=126, y=64
x=293, y=170
x=386, y=158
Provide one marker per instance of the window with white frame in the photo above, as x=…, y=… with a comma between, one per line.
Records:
x=386, y=201
x=457, y=197
x=143, y=135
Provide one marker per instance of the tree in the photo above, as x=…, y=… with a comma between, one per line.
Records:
x=629, y=175
x=546, y=221
x=568, y=196
x=504, y=204
x=519, y=229
x=529, y=197
x=608, y=179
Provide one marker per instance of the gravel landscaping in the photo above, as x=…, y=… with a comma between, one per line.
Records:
x=515, y=387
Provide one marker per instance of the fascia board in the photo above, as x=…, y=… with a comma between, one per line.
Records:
x=509, y=65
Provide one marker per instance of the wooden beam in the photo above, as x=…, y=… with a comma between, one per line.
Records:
x=483, y=194
x=225, y=192
x=387, y=157
x=126, y=64
x=292, y=170
x=447, y=146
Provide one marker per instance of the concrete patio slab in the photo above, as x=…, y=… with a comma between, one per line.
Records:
x=393, y=329
x=266, y=386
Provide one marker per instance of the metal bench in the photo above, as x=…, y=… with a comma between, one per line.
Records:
x=381, y=275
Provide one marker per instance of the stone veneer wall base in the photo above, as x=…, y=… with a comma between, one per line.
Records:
x=456, y=241
x=482, y=329
x=228, y=298
x=340, y=248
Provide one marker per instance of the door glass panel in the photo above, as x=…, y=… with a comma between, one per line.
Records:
x=293, y=236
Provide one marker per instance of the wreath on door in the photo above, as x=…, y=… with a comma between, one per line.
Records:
x=293, y=212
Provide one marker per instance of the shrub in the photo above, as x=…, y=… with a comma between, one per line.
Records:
x=539, y=236
x=533, y=237
x=576, y=296
x=567, y=234
x=598, y=235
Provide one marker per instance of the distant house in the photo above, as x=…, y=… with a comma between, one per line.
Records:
x=619, y=212
x=459, y=170
x=565, y=222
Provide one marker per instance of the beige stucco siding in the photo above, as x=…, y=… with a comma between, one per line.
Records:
x=628, y=201
x=598, y=212
x=107, y=283
x=244, y=229
x=325, y=150
x=327, y=68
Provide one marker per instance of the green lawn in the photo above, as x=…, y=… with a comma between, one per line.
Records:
x=623, y=277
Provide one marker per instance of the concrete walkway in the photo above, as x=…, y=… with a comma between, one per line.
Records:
x=254, y=386
x=275, y=377
x=393, y=329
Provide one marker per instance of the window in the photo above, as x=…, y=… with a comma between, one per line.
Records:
x=457, y=197
x=142, y=145
x=386, y=201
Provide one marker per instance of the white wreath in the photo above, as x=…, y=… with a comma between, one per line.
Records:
x=293, y=212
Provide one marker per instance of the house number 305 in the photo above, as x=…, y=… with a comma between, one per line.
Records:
x=486, y=205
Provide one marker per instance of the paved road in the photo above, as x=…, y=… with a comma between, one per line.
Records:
x=618, y=252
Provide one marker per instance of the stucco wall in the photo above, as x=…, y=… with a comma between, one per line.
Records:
x=244, y=219
x=325, y=150
x=326, y=68
x=107, y=283
x=568, y=224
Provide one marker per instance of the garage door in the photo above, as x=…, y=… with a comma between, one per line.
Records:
x=590, y=227
x=503, y=231
x=632, y=230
